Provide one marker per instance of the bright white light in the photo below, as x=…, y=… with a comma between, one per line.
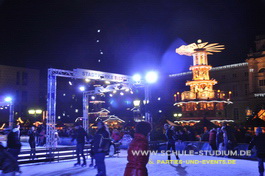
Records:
x=82, y=88
x=158, y=98
x=31, y=111
x=110, y=95
x=59, y=117
x=136, y=77
x=107, y=82
x=127, y=90
x=115, y=91
x=98, y=30
x=38, y=111
x=8, y=99
x=70, y=83
x=121, y=93
x=76, y=110
x=131, y=92
x=93, y=97
x=87, y=80
x=151, y=77
x=136, y=103
x=160, y=111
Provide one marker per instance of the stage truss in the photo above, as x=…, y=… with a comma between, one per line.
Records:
x=85, y=74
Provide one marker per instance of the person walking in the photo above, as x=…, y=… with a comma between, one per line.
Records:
x=32, y=142
x=79, y=135
x=170, y=141
x=136, y=165
x=259, y=142
x=100, y=145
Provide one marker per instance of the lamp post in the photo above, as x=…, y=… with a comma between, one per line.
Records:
x=11, y=111
x=150, y=78
x=136, y=110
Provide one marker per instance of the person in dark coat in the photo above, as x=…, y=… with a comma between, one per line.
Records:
x=219, y=137
x=32, y=142
x=8, y=164
x=136, y=165
x=170, y=141
x=13, y=142
x=259, y=142
x=100, y=145
x=212, y=139
x=79, y=135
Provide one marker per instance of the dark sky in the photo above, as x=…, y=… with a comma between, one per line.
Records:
x=135, y=35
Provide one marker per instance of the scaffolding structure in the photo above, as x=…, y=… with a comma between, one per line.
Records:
x=84, y=74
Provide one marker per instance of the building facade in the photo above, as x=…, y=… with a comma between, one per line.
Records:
x=22, y=85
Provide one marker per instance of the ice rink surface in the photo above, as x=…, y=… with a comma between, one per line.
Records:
x=116, y=165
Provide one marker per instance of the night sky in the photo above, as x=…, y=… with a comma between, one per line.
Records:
x=135, y=36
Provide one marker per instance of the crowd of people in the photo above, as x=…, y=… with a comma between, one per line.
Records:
x=190, y=133
x=223, y=138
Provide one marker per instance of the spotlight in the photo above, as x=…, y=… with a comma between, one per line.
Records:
x=87, y=80
x=70, y=83
x=82, y=88
x=115, y=91
x=8, y=99
x=93, y=97
x=121, y=93
x=127, y=90
x=110, y=95
x=151, y=77
x=136, y=78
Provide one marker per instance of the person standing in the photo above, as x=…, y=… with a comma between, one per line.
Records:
x=56, y=139
x=100, y=145
x=116, y=135
x=170, y=141
x=13, y=142
x=8, y=163
x=80, y=134
x=32, y=142
x=136, y=165
x=219, y=138
x=259, y=142
x=212, y=139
